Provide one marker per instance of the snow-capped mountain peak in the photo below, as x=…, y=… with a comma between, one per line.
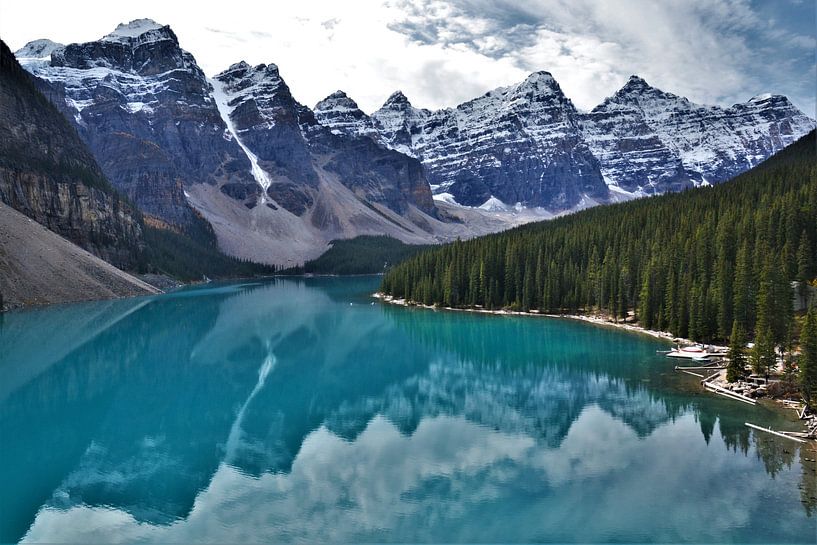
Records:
x=397, y=98
x=506, y=143
x=343, y=116
x=665, y=142
x=126, y=31
x=38, y=49
x=337, y=101
x=539, y=82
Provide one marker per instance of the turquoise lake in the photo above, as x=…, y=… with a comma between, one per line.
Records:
x=301, y=410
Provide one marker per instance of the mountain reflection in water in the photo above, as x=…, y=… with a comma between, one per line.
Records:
x=294, y=410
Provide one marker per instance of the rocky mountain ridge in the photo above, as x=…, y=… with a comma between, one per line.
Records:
x=277, y=180
x=185, y=147
x=503, y=145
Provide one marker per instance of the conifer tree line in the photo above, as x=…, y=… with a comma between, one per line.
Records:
x=710, y=264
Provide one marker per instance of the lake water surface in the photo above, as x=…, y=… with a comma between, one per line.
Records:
x=301, y=411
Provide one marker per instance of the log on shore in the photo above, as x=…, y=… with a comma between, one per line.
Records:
x=777, y=433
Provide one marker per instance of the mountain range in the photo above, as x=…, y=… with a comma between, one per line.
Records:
x=529, y=144
x=277, y=181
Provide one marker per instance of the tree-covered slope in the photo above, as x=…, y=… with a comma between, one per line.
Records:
x=365, y=254
x=691, y=263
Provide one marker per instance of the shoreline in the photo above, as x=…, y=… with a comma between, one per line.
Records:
x=785, y=406
x=599, y=320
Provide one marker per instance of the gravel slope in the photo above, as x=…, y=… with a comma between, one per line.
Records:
x=39, y=267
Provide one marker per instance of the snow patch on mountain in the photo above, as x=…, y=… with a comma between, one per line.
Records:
x=494, y=205
x=37, y=50
x=222, y=100
x=505, y=144
x=342, y=116
x=126, y=31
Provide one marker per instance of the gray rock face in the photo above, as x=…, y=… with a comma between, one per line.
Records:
x=48, y=174
x=399, y=124
x=650, y=141
x=343, y=116
x=143, y=106
x=518, y=144
x=297, y=150
x=528, y=144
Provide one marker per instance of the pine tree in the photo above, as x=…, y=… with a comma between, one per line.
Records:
x=804, y=266
x=742, y=288
x=763, y=354
x=644, y=301
x=737, y=353
x=808, y=357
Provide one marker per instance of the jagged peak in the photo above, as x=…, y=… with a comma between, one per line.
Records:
x=270, y=69
x=765, y=97
x=635, y=80
x=133, y=29
x=537, y=83
x=397, y=98
x=338, y=99
x=38, y=49
x=540, y=76
x=338, y=95
x=634, y=91
x=237, y=69
x=638, y=85
x=242, y=68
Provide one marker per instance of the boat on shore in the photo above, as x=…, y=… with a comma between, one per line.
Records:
x=696, y=352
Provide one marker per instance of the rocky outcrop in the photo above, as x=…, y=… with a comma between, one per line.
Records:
x=296, y=150
x=399, y=123
x=527, y=144
x=343, y=116
x=47, y=173
x=145, y=109
x=650, y=141
x=519, y=144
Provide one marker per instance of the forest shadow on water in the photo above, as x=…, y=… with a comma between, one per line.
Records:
x=303, y=411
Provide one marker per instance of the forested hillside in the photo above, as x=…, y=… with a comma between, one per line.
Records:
x=694, y=263
x=365, y=254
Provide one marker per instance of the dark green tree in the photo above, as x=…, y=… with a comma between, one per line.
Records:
x=804, y=266
x=737, y=353
x=808, y=357
x=763, y=357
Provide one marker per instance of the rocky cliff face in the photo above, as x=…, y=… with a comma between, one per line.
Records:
x=47, y=173
x=296, y=150
x=527, y=143
x=144, y=108
x=650, y=141
x=238, y=150
x=518, y=144
x=343, y=116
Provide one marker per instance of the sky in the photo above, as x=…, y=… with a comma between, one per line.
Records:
x=443, y=52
